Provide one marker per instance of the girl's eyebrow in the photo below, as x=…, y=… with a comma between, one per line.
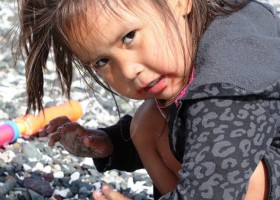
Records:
x=111, y=43
x=121, y=31
x=117, y=37
x=118, y=33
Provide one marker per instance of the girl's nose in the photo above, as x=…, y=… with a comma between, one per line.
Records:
x=130, y=68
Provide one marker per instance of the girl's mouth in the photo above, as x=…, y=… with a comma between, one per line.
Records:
x=156, y=86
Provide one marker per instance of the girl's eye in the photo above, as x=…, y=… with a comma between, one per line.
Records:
x=127, y=39
x=102, y=62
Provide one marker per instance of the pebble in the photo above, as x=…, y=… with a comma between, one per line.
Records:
x=31, y=151
x=74, y=176
x=26, y=167
x=8, y=185
x=58, y=174
x=42, y=187
x=62, y=193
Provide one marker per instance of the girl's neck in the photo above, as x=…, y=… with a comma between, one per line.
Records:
x=183, y=91
x=161, y=104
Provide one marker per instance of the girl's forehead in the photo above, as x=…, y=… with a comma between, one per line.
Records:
x=117, y=8
x=101, y=22
x=105, y=22
x=101, y=15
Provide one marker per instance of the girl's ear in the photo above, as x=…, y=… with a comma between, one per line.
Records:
x=181, y=7
x=185, y=7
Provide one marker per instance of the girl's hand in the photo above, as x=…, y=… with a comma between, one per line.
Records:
x=76, y=139
x=108, y=194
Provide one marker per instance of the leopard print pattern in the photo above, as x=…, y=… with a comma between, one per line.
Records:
x=226, y=131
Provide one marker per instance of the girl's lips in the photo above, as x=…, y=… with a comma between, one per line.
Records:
x=156, y=86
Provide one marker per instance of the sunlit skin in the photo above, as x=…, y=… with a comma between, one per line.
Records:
x=130, y=52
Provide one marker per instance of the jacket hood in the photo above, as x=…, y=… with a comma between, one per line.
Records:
x=242, y=49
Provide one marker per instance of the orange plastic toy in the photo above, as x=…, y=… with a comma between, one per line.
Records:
x=30, y=124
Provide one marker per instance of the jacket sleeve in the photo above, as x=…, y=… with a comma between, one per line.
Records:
x=124, y=156
x=225, y=141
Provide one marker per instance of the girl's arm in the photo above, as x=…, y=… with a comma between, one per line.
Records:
x=124, y=156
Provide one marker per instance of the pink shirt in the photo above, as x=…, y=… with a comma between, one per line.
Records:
x=182, y=93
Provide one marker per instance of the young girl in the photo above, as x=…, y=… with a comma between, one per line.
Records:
x=209, y=72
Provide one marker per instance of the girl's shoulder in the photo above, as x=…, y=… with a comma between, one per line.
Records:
x=240, y=49
x=267, y=6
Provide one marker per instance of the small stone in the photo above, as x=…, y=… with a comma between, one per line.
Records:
x=46, y=159
x=31, y=151
x=56, y=168
x=58, y=174
x=62, y=182
x=2, y=171
x=97, y=186
x=65, y=152
x=38, y=167
x=62, y=193
x=16, y=147
x=87, y=163
x=84, y=193
x=48, y=177
x=68, y=169
x=19, y=159
x=26, y=167
x=76, y=185
x=47, y=169
x=2, y=197
x=40, y=186
x=7, y=156
x=8, y=185
x=140, y=196
x=35, y=195
x=75, y=176
x=11, y=169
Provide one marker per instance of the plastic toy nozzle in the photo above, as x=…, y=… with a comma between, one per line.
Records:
x=30, y=124
x=9, y=132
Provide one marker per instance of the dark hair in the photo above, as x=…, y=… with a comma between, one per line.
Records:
x=44, y=25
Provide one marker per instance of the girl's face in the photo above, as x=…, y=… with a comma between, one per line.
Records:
x=134, y=51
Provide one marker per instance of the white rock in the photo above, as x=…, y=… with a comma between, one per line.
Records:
x=113, y=173
x=47, y=169
x=56, y=168
x=38, y=167
x=32, y=159
x=26, y=167
x=97, y=185
x=87, y=161
x=62, y=193
x=20, y=177
x=74, y=176
x=141, y=171
x=7, y=156
x=65, y=152
x=46, y=158
x=58, y=174
x=138, y=186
